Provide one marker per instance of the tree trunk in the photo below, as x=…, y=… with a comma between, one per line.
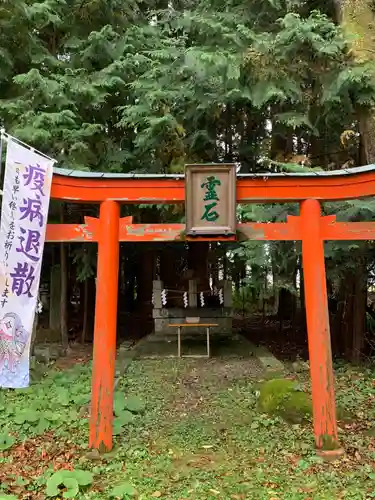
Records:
x=301, y=286
x=33, y=332
x=145, y=276
x=359, y=310
x=55, y=299
x=347, y=318
x=350, y=327
x=168, y=272
x=85, y=305
x=287, y=299
x=198, y=262
x=64, y=288
x=89, y=292
x=357, y=18
x=338, y=337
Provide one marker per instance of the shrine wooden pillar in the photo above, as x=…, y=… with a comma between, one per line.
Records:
x=322, y=380
x=101, y=418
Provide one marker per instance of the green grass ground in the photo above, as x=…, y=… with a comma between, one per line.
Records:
x=200, y=436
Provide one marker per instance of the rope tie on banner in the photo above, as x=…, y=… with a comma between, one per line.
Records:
x=2, y=133
x=5, y=137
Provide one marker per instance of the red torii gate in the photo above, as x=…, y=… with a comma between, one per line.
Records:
x=110, y=190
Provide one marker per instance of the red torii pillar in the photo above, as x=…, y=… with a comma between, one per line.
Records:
x=104, y=356
x=319, y=340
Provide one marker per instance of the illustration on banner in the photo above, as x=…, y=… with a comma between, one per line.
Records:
x=13, y=340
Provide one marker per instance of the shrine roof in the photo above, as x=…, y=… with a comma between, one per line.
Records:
x=68, y=172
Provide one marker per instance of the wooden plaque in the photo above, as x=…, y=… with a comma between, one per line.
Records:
x=210, y=199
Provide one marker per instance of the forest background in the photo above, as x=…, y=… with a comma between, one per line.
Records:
x=146, y=87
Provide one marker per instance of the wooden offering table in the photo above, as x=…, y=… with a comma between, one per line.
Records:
x=179, y=327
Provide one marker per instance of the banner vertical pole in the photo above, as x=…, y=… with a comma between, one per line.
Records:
x=2, y=137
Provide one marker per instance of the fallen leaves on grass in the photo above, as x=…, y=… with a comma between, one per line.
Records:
x=30, y=459
x=33, y=455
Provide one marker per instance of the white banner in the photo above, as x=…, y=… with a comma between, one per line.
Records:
x=26, y=194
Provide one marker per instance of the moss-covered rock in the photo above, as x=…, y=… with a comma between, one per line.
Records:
x=283, y=397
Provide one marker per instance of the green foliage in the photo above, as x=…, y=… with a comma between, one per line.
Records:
x=47, y=404
x=69, y=481
x=125, y=410
x=134, y=404
x=53, y=407
x=6, y=441
x=123, y=490
x=85, y=259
